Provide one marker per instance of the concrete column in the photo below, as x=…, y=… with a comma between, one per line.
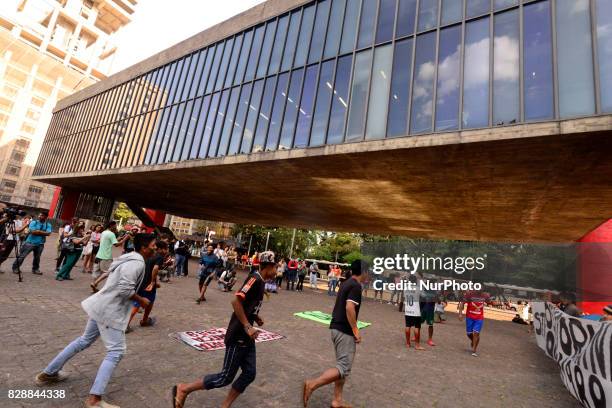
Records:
x=594, y=280
x=52, y=22
x=67, y=209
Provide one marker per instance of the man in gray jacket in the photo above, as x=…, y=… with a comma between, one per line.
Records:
x=109, y=312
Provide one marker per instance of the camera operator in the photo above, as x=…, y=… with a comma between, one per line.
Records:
x=11, y=237
x=40, y=229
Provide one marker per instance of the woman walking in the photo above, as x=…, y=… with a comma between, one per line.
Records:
x=74, y=248
x=91, y=249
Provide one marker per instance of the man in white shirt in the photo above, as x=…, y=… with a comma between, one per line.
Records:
x=412, y=312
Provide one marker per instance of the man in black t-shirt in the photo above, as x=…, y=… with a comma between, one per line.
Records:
x=239, y=339
x=345, y=335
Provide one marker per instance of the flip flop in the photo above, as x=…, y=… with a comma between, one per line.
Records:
x=175, y=402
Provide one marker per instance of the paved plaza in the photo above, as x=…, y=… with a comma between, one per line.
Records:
x=40, y=316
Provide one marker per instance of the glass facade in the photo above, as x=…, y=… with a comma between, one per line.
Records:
x=339, y=71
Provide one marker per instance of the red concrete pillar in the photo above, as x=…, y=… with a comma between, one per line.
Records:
x=595, y=269
x=54, y=202
x=67, y=209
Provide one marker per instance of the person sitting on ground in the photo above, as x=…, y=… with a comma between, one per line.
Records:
x=439, y=314
x=227, y=280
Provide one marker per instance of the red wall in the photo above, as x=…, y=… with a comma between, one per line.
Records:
x=595, y=263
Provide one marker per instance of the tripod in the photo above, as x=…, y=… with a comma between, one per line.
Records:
x=12, y=232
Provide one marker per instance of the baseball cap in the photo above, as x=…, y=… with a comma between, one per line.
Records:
x=266, y=257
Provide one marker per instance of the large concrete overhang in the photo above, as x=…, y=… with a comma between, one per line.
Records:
x=533, y=182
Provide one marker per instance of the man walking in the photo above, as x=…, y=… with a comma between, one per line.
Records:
x=104, y=257
x=474, y=316
x=108, y=312
x=208, y=267
x=345, y=335
x=40, y=229
x=239, y=339
x=292, y=267
x=314, y=269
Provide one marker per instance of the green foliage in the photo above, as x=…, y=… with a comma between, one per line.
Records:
x=280, y=239
x=123, y=213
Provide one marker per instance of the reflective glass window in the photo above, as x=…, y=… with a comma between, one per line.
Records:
x=290, y=44
x=210, y=56
x=449, y=78
x=214, y=71
x=302, y=130
x=233, y=63
x=476, y=74
x=397, y=122
x=186, y=78
x=575, y=58
x=367, y=23
x=334, y=29
x=291, y=110
x=266, y=49
x=279, y=45
x=322, y=106
x=452, y=10
x=244, y=57
x=210, y=123
x=506, y=68
x=265, y=112
x=218, y=126
x=379, y=92
x=179, y=139
x=254, y=56
x=197, y=74
x=537, y=64
x=183, y=154
x=349, y=29
x=166, y=134
x=251, y=121
x=228, y=125
x=320, y=27
x=278, y=109
x=604, y=52
x=199, y=132
x=423, y=83
x=428, y=14
x=175, y=90
x=386, y=21
x=303, y=44
x=241, y=113
x=229, y=45
x=359, y=96
x=500, y=4
x=477, y=7
x=340, y=99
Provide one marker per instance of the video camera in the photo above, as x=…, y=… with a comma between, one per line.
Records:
x=11, y=213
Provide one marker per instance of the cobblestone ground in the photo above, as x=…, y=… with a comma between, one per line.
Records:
x=40, y=316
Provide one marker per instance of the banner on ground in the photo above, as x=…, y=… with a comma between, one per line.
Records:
x=324, y=318
x=212, y=339
x=583, y=349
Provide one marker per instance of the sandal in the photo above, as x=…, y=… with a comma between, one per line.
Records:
x=175, y=401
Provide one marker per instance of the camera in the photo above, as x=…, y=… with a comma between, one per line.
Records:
x=11, y=213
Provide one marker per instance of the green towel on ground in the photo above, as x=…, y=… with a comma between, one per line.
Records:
x=325, y=318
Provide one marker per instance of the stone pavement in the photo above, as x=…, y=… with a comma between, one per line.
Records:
x=40, y=316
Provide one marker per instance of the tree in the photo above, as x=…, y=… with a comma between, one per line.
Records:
x=122, y=213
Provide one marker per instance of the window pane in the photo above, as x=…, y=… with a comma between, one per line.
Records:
x=173, y=89
x=406, y=15
x=477, y=7
x=189, y=80
x=293, y=100
x=575, y=58
x=231, y=68
x=367, y=23
x=305, y=33
x=218, y=125
x=359, y=96
x=349, y=30
x=279, y=45
x=266, y=51
x=386, y=20
x=292, y=36
x=452, y=10
x=500, y=4
x=476, y=74
x=506, y=68
x=254, y=55
x=166, y=135
x=178, y=145
x=228, y=125
x=193, y=122
x=208, y=128
x=210, y=55
x=324, y=94
x=318, y=36
x=428, y=14
x=422, y=94
x=379, y=92
x=251, y=121
x=449, y=77
x=264, y=115
x=604, y=52
x=334, y=28
x=244, y=57
x=199, y=69
x=302, y=130
x=277, y=112
x=199, y=132
x=397, y=121
x=215, y=68
x=229, y=45
x=538, y=73
x=243, y=109
x=339, y=106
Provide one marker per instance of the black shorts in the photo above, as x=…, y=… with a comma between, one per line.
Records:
x=413, y=321
x=205, y=279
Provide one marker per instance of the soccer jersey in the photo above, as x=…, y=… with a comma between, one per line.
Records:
x=475, y=302
x=251, y=293
x=412, y=307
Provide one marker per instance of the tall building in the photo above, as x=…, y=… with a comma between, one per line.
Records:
x=48, y=50
x=452, y=119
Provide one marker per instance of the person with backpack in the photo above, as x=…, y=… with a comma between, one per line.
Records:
x=74, y=249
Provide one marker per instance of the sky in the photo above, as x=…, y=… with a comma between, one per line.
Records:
x=158, y=24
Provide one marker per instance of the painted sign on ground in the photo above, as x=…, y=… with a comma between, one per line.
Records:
x=583, y=349
x=212, y=339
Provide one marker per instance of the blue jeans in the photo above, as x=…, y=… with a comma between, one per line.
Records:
x=26, y=248
x=331, y=288
x=114, y=341
x=180, y=264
